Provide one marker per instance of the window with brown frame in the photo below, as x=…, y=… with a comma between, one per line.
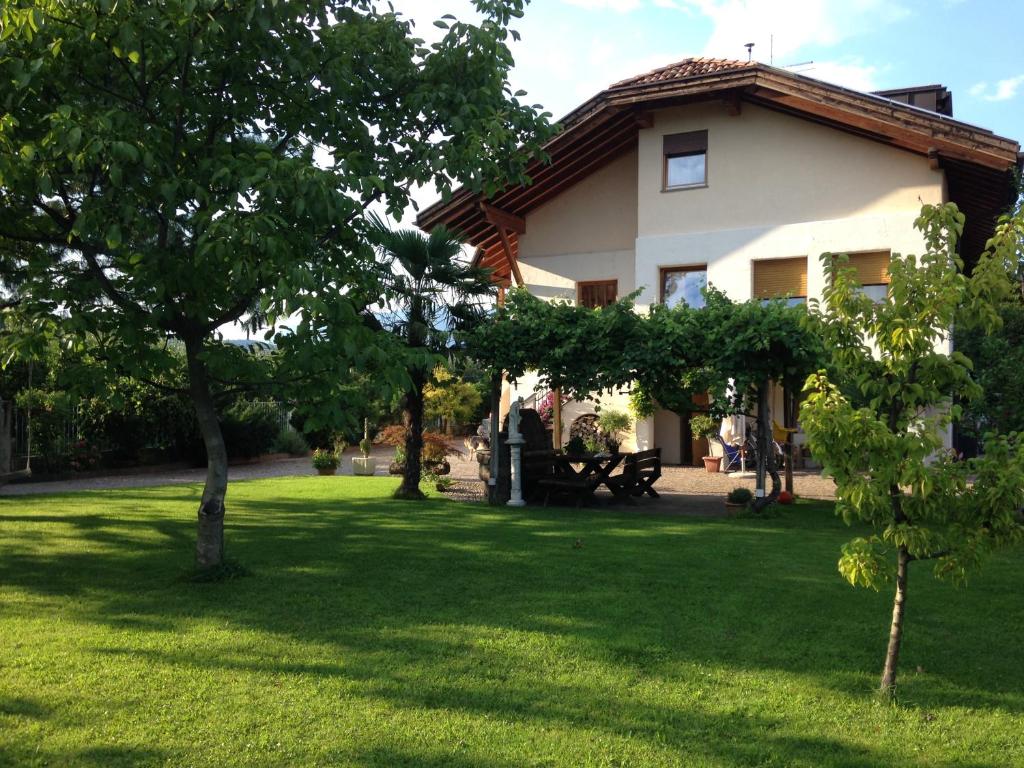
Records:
x=683, y=285
x=686, y=160
x=778, y=278
x=597, y=293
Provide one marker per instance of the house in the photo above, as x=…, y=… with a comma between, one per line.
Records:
x=734, y=173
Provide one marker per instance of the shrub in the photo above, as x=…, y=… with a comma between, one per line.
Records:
x=291, y=442
x=576, y=446
x=702, y=425
x=392, y=435
x=365, y=446
x=612, y=422
x=250, y=429
x=740, y=495
x=84, y=456
x=435, y=448
x=324, y=459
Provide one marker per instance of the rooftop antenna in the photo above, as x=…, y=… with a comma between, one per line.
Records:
x=750, y=50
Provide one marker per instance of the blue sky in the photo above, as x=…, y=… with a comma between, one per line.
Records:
x=571, y=49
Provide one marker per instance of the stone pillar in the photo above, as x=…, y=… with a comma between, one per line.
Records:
x=515, y=442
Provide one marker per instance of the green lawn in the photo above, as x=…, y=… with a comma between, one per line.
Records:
x=374, y=632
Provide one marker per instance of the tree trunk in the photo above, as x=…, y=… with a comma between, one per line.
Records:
x=789, y=421
x=765, y=451
x=210, y=530
x=494, y=441
x=6, y=417
x=892, y=654
x=410, y=487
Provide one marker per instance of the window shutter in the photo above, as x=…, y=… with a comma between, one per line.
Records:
x=598, y=294
x=776, y=278
x=872, y=268
x=686, y=143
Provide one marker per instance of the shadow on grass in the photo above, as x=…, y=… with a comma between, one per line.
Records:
x=398, y=588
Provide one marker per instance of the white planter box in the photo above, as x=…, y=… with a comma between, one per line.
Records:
x=363, y=466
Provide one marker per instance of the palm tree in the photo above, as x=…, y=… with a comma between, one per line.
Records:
x=431, y=293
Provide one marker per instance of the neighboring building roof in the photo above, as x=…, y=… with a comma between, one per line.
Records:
x=253, y=346
x=977, y=162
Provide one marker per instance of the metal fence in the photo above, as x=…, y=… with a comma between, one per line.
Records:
x=68, y=435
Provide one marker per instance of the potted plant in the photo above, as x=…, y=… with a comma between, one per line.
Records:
x=364, y=465
x=435, y=452
x=440, y=482
x=738, y=498
x=397, y=466
x=703, y=426
x=612, y=423
x=576, y=447
x=325, y=462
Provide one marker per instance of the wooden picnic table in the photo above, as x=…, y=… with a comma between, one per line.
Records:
x=580, y=476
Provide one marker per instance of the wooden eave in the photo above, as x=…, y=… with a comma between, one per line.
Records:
x=977, y=161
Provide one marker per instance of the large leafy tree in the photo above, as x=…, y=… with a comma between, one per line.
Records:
x=170, y=168
x=432, y=293
x=877, y=422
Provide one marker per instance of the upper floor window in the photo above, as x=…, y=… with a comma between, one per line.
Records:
x=683, y=285
x=872, y=272
x=778, y=278
x=686, y=160
x=597, y=293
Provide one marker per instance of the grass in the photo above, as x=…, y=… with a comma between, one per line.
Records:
x=375, y=632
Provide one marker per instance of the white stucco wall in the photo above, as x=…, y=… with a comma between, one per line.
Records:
x=778, y=187
x=766, y=168
x=586, y=233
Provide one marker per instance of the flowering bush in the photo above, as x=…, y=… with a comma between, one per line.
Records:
x=546, y=407
x=84, y=456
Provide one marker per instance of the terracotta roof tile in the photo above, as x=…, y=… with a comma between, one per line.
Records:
x=685, y=68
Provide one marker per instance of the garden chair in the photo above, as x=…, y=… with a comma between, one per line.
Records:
x=730, y=456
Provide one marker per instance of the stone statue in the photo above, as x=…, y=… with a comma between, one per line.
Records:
x=513, y=417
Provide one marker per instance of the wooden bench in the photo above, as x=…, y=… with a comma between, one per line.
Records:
x=640, y=471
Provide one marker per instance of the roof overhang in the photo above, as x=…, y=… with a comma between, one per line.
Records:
x=978, y=163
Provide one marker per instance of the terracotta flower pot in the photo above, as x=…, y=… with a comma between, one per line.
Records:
x=713, y=463
x=326, y=470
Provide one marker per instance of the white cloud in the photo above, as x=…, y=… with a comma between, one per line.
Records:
x=780, y=30
x=1004, y=90
x=849, y=74
x=622, y=6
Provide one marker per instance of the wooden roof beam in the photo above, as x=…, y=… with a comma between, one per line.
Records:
x=503, y=219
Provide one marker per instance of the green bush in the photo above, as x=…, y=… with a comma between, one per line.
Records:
x=324, y=459
x=291, y=442
x=250, y=429
x=740, y=495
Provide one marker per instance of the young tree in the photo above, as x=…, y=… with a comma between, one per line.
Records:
x=877, y=423
x=431, y=293
x=170, y=168
x=449, y=398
